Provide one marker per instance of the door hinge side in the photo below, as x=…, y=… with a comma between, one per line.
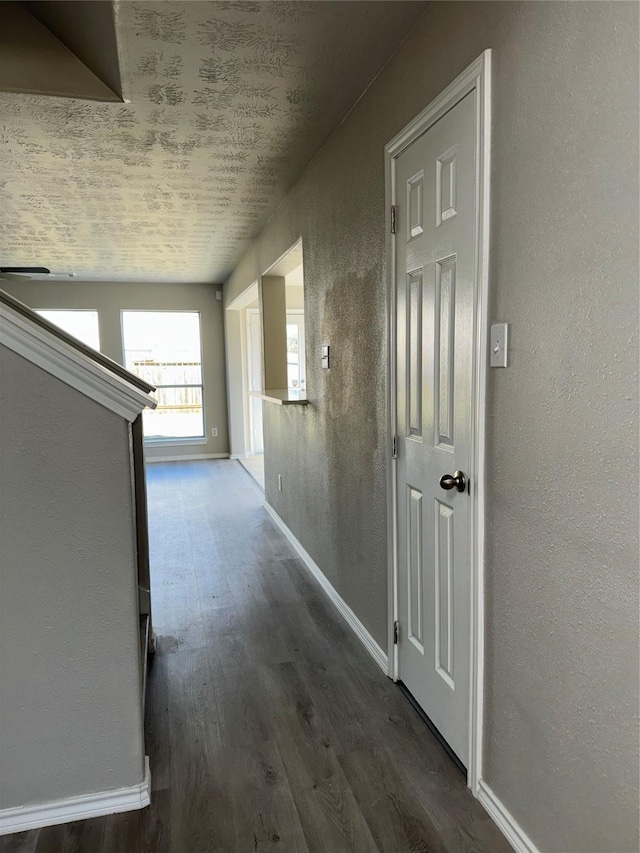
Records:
x=394, y=447
x=396, y=632
x=393, y=219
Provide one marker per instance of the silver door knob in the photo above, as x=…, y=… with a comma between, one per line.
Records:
x=457, y=480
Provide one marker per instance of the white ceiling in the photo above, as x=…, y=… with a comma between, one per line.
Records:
x=229, y=101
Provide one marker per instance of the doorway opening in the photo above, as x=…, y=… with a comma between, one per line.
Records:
x=266, y=332
x=247, y=310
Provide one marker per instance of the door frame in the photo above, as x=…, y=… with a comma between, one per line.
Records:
x=476, y=77
x=249, y=313
x=235, y=330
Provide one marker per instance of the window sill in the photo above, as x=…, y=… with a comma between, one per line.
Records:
x=164, y=442
x=288, y=397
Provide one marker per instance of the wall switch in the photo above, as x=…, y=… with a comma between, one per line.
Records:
x=325, y=356
x=219, y=295
x=279, y=482
x=499, y=345
x=214, y=432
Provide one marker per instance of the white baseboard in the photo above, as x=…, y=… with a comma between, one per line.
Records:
x=506, y=823
x=376, y=652
x=21, y=818
x=190, y=458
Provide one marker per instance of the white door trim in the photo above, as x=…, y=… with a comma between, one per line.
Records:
x=476, y=77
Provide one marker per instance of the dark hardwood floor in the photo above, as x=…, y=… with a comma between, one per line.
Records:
x=269, y=727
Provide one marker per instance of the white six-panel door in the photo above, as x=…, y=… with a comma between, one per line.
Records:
x=435, y=268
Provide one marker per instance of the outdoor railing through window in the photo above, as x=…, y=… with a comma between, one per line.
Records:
x=163, y=347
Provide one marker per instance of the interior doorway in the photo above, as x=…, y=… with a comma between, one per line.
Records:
x=245, y=311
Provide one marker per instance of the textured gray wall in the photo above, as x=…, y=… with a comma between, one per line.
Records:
x=70, y=693
x=561, y=746
x=109, y=298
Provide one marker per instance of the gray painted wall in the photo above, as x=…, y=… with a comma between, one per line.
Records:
x=70, y=692
x=561, y=745
x=109, y=298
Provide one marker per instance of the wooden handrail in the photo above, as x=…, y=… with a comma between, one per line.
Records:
x=91, y=353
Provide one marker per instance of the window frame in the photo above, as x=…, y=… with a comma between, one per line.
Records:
x=168, y=439
x=302, y=352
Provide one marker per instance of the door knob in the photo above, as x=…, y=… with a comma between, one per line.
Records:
x=457, y=480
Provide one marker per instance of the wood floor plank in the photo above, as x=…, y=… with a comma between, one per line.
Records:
x=396, y=819
x=329, y=684
x=332, y=820
x=281, y=584
x=157, y=732
x=264, y=811
x=329, y=814
x=200, y=819
x=145, y=831
x=225, y=640
x=260, y=629
x=83, y=836
x=241, y=709
x=154, y=827
x=482, y=836
x=20, y=842
x=303, y=739
x=439, y=785
x=394, y=725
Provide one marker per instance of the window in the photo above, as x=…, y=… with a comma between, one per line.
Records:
x=83, y=325
x=296, y=378
x=163, y=347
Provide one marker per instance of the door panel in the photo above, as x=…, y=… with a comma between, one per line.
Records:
x=414, y=362
x=435, y=271
x=415, y=604
x=444, y=616
x=444, y=339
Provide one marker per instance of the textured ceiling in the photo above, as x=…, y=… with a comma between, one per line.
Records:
x=229, y=101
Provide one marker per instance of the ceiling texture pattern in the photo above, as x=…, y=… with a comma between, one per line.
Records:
x=229, y=102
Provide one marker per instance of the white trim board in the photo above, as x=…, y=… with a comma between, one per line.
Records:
x=191, y=458
x=44, y=349
x=22, y=818
x=510, y=828
x=376, y=652
x=476, y=78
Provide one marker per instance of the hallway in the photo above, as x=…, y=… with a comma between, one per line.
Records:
x=269, y=727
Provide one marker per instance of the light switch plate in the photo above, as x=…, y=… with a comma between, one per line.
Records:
x=499, y=345
x=325, y=356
